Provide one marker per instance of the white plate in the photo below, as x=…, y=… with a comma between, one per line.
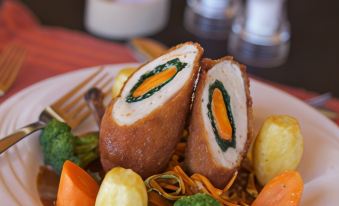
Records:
x=19, y=165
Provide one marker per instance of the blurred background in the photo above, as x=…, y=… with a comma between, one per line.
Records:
x=296, y=43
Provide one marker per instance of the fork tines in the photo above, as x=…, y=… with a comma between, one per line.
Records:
x=72, y=106
x=11, y=60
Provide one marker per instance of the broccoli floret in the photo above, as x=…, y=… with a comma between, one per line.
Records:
x=86, y=148
x=197, y=200
x=59, y=144
x=53, y=129
x=60, y=150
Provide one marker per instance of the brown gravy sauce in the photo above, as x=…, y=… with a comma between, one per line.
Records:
x=47, y=184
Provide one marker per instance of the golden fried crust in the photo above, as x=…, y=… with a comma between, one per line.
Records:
x=199, y=158
x=147, y=145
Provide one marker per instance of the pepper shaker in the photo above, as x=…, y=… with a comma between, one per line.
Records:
x=210, y=18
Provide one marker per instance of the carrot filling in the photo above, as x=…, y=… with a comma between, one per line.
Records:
x=219, y=112
x=155, y=81
x=152, y=81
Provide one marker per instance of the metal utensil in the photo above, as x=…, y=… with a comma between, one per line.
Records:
x=11, y=60
x=70, y=108
x=95, y=100
x=319, y=102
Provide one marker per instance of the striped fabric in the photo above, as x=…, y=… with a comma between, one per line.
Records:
x=52, y=50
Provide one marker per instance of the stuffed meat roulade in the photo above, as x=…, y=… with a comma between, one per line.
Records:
x=221, y=121
x=142, y=126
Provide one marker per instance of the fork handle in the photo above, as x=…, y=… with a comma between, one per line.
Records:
x=18, y=135
x=95, y=100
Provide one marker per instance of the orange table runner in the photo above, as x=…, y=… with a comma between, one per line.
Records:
x=53, y=50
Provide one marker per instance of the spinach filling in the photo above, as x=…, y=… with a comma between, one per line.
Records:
x=223, y=144
x=174, y=62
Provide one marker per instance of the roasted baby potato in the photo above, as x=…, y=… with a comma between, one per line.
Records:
x=120, y=79
x=122, y=187
x=277, y=148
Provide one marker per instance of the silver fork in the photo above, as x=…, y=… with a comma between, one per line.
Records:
x=319, y=102
x=70, y=108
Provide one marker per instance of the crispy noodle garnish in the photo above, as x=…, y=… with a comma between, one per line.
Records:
x=251, y=188
x=175, y=183
x=169, y=185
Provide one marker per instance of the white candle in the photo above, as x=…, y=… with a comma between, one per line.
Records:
x=124, y=19
x=215, y=3
x=263, y=16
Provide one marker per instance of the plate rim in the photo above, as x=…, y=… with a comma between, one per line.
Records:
x=26, y=90
x=255, y=83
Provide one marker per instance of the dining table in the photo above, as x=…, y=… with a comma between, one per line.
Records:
x=58, y=42
x=60, y=52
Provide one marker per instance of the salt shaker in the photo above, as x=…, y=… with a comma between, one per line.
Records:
x=260, y=34
x=210, y=18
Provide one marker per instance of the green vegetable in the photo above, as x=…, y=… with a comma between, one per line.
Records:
x=197, y=200
x=86, y=148
x=223, y=144
x=59, y=144
x=174, y=62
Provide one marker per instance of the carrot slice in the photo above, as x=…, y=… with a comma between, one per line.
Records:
x=220, y=114
x=154, y=199
x=284, y=189
x=76, y=187
x=154, y=81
